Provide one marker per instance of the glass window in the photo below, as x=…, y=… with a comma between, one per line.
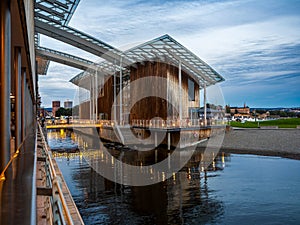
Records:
x=191, y=91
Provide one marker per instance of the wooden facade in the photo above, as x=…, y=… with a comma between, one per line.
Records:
x=106, y=99
x=161, y=91
x=166, y=106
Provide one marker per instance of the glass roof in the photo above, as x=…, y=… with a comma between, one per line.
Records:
x=168, y=50
x=57, y=11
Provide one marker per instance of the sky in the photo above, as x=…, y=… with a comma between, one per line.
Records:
x=254, y=45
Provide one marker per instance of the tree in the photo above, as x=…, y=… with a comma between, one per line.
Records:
x=63, y=112
x=227, y=107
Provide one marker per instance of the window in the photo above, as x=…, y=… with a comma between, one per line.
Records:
x=191, y=91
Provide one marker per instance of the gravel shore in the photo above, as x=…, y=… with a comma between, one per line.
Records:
x=270, y=142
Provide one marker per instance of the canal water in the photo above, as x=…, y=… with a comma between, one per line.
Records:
x=236, y=189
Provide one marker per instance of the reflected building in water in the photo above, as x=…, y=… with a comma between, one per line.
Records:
x=183, y=198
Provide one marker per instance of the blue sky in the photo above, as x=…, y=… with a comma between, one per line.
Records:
x=254, y=45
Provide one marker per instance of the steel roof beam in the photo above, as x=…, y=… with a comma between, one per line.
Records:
x=81, y=40
x=49, y=10
x=63, y=58
x=57, y=3
x=40, y=15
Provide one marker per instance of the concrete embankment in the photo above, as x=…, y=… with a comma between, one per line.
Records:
x=270, y=142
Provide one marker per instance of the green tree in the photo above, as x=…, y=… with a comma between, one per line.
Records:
x=227, y=107
x=63, y=112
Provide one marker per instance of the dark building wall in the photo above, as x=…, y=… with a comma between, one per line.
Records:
x=55, y=104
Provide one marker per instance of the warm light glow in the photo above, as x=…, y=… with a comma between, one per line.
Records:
x=202, y=168
x=163, y=175
x=112, y=161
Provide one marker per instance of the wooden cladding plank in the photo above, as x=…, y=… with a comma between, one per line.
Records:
x=105, y=101
x=155, y=105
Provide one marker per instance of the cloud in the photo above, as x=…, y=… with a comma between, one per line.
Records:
x=255, y=45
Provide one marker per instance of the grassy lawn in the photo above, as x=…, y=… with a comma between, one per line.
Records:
x=281, y=123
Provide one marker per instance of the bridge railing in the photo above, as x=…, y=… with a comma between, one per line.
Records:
x=154, y=123
x=57, y=207
x=168, y=124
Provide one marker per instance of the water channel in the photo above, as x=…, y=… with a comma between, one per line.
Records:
x=236, y=189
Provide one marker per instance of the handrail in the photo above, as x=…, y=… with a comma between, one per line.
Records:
x=154, y=123
x=55, y=179
x=15, y=155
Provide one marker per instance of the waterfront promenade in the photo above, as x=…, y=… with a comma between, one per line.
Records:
x=269, y=142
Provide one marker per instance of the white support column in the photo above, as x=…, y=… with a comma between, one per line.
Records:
x=120, y=93
x=169, y=141
x=180, y=94
x=204, y=102
x=96, y=95
x=115, y=93
x=91, y=97
x=199, y=105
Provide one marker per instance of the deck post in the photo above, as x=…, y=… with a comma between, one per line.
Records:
x=5, y=79
x=180, y=94
x=204, y=102
x=18, y=112
x=121, y=94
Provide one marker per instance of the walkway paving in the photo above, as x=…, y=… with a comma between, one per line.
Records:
x=275, y=142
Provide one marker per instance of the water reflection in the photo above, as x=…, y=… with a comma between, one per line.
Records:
x=184, y=198
x=62, y=140
x=233, y=190
x=138, y=168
